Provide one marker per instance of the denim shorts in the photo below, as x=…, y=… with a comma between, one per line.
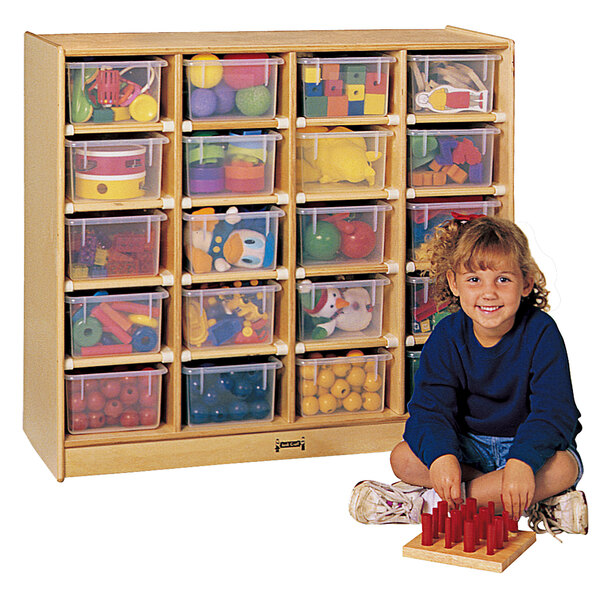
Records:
x=488, y=453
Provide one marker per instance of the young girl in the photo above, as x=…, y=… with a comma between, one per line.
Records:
x=492, y=415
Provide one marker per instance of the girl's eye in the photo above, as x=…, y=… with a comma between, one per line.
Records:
x=503, y=279
x=473, y=279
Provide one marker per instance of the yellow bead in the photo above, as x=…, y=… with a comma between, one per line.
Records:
x=325, y=377
x=308, y=371
x=341, y=369
x=356, y=377
x=340, y=388
x=309, y=405
x=372, y=382
x=352, y=402
x=308, y=388
x=371, y=401
x=327, y=403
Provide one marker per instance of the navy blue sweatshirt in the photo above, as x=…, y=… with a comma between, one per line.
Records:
x=520, y=388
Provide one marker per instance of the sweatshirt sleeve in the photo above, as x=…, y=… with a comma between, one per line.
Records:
x=431, y=429
x=553, y=420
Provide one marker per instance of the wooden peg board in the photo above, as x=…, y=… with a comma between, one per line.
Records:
x=517, y=543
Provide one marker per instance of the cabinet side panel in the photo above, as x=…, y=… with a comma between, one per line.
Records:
x=43, y=411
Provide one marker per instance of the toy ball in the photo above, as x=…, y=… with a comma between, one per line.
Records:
x=238, y=410
x=260, y=409
x=225, y=97
x=309, y=405
x=327, y=403
x=205, y=75
x=144, y=108
x=199, y=413
x=371, y=401
x=352, y=402
x=253, y=101
x=203, y=102
x=322, y=241
x=243, y=74
x=372, y=382
x=358, y=239
x=242, y=388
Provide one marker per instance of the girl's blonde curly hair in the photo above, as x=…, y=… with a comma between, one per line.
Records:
x=477, y=244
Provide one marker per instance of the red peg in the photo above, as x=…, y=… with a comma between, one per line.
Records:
x=471, y=506
x=513, y=525
x=448, y=529
x=427, y=525
x=442, y=507
x=456, y=526
x=436, y=523
x=505, y=519
x=476, y=529
x=491, y=542
x=491, y=511
x=469, y=542
x=499, y=532
x=483, y=522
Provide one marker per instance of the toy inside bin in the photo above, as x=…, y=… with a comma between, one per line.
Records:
x=126, y=91
x=424, y=217
x=104, y=401
x=344, y=384
x=345, y=308
x=451, y=83
x=451, y=157
x=113, y=324
x=237, y=163
x=230, y=392
x=345, y=86
x=413, y=359
x=236, y=239
x=342, y=234
x=229, y=316
x=123, y=246
x=339, y=158
x=236, y=86
x=115, y=169
x=424, y=313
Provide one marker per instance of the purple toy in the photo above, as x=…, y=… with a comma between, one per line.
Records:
x=225, y=97
x=203, y=102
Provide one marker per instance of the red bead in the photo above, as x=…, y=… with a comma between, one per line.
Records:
x=147, y=400
x=148, y=416
x=113, y=408
x=95, y=401
x=97, y=419
x=76, y=402
x=129, y=418
x=79, y=422
x=129, y=395
x=111, y=388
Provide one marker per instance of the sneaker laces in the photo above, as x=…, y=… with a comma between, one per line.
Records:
x=378, y=503
x=536, y=516
x=565, y=512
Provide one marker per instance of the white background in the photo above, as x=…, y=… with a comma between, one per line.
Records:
x=281, y=529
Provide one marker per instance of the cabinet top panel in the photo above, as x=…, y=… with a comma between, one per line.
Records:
x=79, y=44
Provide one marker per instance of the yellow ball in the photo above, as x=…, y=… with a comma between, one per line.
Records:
x=371, y=401
x=325, y=377
x=341, y=369
x=310, y=405
x=352, y=402
x=372, y=382
x=355, y=353
x=356, y=377
x=340, y=388
x=308, y=371
x=327, y=403
x=308, y=388
x=144, y=108
x=205, y=75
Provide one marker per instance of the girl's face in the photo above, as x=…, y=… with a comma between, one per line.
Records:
x=490, y=297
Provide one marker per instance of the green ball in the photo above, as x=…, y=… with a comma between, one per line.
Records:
x=321, y=242
x=253, y=101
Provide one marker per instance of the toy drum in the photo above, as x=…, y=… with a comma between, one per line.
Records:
x=111, y=173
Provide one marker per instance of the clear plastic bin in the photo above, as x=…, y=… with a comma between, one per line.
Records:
x=115, y=169
x=351, y=383
x=229, y=316
x=424, y=217
x=342, y=234
x=235, y=240
x=117, y=400
x=345, y=86
x=345, y=309
x=451, y=157
x=413, y=358
x=123, y=91
x=423, y=312
x=451, y=83
x=113, y=324
x=235, y=164
x=237, y=86
x=123, y=246
x=341, y=159
x=230, y=392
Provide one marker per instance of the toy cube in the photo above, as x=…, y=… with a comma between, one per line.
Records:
x=337, y=106
x=354, y=73
x=375, y=104
x=314, y=89
x=355, y=91
x=311, y=74
x=376, y=83
x=356, y=108
x=334, y=87
x=331, y=71
x=315, y=106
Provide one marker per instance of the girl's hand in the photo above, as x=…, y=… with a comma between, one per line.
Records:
x=518, y=487
x=445, y=476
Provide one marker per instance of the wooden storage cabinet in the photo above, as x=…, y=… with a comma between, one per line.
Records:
x=289, y=435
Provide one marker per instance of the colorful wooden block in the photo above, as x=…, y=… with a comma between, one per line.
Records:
x=330, y=71
x=314, y=89
x=334, y=87
x=354, y=73
x=376, y=83
x=355, y=91
x=356, y=107
x=457, y=174
x=311, y=74
x=315, y=106
x=337, y=106
x=375, y=104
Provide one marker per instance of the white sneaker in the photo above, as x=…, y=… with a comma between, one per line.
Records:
x=373, y=502
x=567, y=512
